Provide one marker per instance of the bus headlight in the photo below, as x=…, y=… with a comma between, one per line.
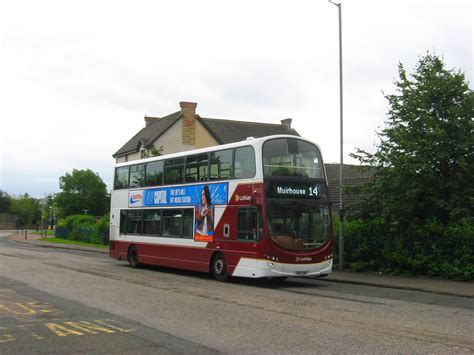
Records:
x=271, y=257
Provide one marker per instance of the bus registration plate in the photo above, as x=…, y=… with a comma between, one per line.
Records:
x=300, y=273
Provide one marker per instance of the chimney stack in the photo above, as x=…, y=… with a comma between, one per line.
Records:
x=286, y=122
x=149, y=120
x=188, y=113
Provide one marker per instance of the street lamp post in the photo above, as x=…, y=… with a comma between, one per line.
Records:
x=50, y=224
x=42, y=220
x=341, y=203
x=52, y=218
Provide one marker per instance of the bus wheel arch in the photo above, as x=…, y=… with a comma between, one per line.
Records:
x=132, y=256
x=218, y=267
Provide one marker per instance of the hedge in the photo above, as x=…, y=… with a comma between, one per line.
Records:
x=426, y=249
x=84, y=228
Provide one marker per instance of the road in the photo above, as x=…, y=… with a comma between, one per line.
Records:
x=58, y=301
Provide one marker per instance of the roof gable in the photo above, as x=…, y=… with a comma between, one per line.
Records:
x=148, y=134
x=223, y=131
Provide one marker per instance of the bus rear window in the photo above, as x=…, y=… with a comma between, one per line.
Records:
x=121, y=177
x=292, y=157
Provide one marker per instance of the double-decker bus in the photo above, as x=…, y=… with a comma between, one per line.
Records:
x=256, y=208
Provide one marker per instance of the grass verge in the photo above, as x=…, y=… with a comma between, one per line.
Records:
x=50, y=232
x=73, y=242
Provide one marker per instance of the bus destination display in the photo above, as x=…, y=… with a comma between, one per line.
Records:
x=294, y=190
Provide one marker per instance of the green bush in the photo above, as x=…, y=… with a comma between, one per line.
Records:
x=428, y=248
x=83, y=228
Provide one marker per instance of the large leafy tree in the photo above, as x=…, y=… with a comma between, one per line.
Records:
x=5, y=202
x=27, y=209
x=424, y=157
x=82, y=190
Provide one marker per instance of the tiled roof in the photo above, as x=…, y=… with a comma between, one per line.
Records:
x=224, y=131
x=352, y=175
x=148, y=134
x=229, y=131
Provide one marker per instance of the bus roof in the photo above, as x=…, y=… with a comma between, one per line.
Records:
x=255, y=142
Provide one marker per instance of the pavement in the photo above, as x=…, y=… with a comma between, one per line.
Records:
x=414, y=283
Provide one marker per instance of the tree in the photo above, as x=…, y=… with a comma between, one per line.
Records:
x=425, y=155
x=27, y=209
x=152, y=152
x=417, y=215
x=82, y=190
x=5, y=202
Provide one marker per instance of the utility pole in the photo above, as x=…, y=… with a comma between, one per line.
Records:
x=42, y=220
x=341, y=136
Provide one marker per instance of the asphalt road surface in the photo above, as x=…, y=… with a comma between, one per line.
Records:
x=59, y=301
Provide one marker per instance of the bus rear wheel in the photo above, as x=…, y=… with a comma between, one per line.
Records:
x=219, y=268
x=132, y=257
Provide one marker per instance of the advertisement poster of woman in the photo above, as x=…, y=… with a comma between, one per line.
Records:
x=204, y=218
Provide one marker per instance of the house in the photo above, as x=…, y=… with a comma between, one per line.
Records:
x=185, y=130
x=352, y=176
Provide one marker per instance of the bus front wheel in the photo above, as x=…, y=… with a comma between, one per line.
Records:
x=132, y=257
x=219, y=268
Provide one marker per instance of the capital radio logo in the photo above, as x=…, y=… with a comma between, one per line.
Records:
x=135, y=199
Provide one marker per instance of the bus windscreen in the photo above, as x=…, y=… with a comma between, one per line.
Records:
x=291, y=157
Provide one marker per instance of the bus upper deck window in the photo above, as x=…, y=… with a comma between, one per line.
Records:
x=174, y=169
x=137, y=175
x=121, y=177
x=221, y=165
x=244, y=166
x=154, y=173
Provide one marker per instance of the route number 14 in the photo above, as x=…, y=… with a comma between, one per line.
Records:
x=314, y=191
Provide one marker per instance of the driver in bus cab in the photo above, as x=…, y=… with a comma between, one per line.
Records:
x=204, y=214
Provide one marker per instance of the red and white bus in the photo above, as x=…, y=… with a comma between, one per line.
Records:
x=256, y=208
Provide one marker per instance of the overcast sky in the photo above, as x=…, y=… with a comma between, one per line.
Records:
x=77, y=78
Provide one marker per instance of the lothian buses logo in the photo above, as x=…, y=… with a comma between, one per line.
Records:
x=242, y=198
